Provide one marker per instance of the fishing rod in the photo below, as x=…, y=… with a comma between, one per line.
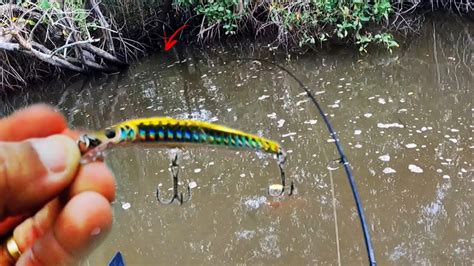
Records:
x=343, y=160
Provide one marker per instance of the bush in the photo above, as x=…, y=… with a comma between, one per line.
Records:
x=298, y=22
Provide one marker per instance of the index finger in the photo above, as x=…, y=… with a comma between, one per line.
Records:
x=36, y=121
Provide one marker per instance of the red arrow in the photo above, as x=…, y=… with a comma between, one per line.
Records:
x=170, y=42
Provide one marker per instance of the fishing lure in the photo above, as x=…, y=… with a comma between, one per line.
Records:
x=175, y=133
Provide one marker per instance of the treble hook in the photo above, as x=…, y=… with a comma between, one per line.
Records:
x=281, y=187
x=176, y=195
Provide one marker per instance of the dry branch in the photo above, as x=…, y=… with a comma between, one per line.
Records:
x=56, y=37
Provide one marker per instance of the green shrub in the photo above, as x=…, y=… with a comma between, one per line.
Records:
x=301, y=22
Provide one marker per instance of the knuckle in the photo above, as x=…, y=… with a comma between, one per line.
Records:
x=4, y=178
x=11, y=163
x=18, y=166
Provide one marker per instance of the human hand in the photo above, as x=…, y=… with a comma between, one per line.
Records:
x=54, y=208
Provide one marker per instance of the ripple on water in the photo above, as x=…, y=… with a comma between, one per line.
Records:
x=245, y=234
x=255, y=202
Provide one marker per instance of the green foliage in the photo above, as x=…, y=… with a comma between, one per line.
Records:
x=44, y=4
x=299, y=22
x=216, y=12
x=79, y=14
x=306, y=21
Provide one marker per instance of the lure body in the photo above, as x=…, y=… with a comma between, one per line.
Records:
x=170, y=132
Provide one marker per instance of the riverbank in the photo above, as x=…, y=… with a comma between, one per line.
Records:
x=48, y=39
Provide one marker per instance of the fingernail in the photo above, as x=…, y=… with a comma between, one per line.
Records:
x=54, y=152
x=95, y=231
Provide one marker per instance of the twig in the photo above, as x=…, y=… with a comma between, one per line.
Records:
x=103, y=54
x=72, y=44
x=103, y=22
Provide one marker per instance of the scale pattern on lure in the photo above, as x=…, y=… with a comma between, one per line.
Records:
x=170, y=132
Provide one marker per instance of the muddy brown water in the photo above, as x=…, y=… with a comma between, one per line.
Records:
x=405, y=121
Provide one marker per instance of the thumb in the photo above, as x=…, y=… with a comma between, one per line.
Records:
x=35, y=171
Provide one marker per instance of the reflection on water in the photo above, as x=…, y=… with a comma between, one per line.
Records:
x=405, y=121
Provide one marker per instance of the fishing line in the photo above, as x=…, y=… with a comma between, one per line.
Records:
x=343, y=160
x=334, y=212
x=336, y=227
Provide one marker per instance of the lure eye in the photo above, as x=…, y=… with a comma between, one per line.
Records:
x=110, y=133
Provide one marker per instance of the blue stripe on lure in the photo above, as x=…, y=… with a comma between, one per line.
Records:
x=168, y=131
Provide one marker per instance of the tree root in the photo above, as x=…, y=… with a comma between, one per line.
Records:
x=54, y=36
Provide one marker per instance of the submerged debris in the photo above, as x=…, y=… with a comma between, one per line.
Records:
x=389, y=170
x=390, y=125
x=126, y=205
x=385, y=158
x=415, y=169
